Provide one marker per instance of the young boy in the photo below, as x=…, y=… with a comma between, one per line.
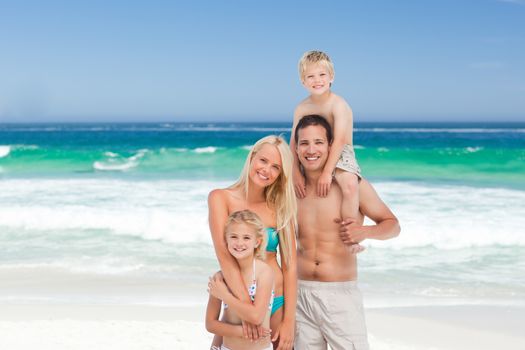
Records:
x=317, y=74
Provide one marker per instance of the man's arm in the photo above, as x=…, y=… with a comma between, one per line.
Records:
x=371, y=205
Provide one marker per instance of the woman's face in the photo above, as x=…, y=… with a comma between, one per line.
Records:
x=266, y=166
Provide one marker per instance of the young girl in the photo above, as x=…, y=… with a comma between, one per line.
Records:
x=264, y=187
x=246, y=241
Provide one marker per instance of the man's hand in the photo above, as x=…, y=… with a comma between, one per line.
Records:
x=351, y=233
x=299, y=184
x=323, y=184
x=285, y=333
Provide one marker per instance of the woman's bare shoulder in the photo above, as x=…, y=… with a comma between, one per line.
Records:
x=263, y=269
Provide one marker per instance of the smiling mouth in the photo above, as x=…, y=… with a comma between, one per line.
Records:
x=311, y=159
x=262, y=176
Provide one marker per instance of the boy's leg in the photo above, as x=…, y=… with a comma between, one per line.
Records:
x=349, y=184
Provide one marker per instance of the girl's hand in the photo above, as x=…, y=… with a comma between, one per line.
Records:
x=217, y=287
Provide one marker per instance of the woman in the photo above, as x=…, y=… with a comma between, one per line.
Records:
x=264, y=187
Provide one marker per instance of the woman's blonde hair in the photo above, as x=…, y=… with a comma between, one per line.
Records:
x=280, y=195
x=252, y=220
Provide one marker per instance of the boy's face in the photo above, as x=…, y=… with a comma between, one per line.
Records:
x=317, y=78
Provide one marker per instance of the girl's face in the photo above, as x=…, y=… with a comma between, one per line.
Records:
x=241, y=240
x=266, y=166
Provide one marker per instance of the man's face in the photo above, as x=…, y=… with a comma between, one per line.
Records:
x=312, y=147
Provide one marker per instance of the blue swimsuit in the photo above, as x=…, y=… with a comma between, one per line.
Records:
x=273, y=242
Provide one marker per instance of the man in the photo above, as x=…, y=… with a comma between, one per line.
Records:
x=329, y=303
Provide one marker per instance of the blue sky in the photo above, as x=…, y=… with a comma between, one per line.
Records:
x=236, y=60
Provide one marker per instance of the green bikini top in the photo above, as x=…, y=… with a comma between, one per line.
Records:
x=273, y=240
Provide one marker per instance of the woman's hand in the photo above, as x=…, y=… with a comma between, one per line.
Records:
x=217, y=287
x=285, y=333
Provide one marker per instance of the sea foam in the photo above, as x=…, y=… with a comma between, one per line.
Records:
x=175, y=211
x=453, y=217
x=117, y=163
x=4, y=151
x=209, y=149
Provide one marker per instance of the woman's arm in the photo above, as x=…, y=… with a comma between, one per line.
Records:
x=286, y=331
x=248, y=311
x=217, y=216
x=213, y=325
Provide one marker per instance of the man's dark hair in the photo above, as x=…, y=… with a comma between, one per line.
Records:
x=314, y=119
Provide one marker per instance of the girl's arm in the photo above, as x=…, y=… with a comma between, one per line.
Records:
x=217, y=216
x=213, y=325
x=286, y=331
x=253, y=313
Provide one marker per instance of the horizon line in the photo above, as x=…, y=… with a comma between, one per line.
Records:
x=455, y=121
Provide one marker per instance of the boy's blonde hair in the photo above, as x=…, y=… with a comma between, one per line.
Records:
x=252, y=220
x=311, y=57
x=280, y=195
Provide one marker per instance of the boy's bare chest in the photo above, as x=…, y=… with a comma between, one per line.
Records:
x=324, y=111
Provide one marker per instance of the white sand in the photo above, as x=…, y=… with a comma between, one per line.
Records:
x=149, y=327
x=60, y=310
x=101, y=327
x=449, y=327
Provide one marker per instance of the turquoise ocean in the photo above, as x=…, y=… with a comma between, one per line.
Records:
x=129, y=200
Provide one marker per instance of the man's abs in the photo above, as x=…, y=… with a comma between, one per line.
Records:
x=328, y=263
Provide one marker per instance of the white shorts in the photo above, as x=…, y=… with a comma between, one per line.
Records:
x=330, y=312
x=225, y=348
